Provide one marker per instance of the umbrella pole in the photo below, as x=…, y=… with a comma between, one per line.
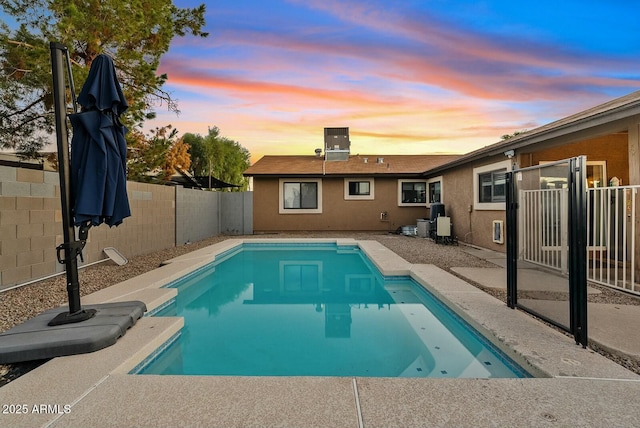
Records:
x=71, y=247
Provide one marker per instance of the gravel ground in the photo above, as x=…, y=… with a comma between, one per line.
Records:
x=22, y=303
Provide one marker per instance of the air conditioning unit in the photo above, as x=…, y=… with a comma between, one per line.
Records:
x=498, y=231
x=443, y=226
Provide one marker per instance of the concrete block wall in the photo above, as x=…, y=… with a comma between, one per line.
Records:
x=197, y=215
x=30, y=224
x=236, y=213
x=201, y=214
x=150, y=228
x=161, y=216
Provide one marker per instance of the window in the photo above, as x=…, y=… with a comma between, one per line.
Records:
x=434, y=187
x=358, y=188
x=300, y=196
x=490, y=186
x=412, y=193
x=434, y=192
x=597, y=174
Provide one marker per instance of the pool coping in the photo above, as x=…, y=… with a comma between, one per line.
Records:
x=98, y=390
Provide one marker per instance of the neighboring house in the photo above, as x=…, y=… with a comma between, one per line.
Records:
x=342, y=192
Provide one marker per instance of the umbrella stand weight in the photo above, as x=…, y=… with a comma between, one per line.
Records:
x=69, y=318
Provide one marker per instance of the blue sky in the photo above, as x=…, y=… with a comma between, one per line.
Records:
x=406, y=76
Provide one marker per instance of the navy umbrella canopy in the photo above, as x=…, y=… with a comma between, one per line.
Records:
x=98, y=179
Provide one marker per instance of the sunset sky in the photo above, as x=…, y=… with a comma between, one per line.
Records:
x=406, y=76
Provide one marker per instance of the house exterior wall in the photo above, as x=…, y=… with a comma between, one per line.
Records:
x=611, y=148
x=337, y=213
x=470, y=225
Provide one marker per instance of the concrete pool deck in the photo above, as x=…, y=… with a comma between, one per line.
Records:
x=581, y=387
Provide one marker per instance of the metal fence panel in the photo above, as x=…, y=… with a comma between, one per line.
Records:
x=612, y=214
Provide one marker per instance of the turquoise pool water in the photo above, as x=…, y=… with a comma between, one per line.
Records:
x=317, y=310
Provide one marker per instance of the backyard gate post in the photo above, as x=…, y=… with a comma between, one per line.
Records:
x=578, y=249
x=512, y=239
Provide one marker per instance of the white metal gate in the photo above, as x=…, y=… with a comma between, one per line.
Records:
x=543, y=219
x=612, y=252
x=612, y=237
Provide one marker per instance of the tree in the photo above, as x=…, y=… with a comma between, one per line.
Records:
x=177, y=157
x=134, y=34
x=157, y=155
x=510, y=136
x=218, y=156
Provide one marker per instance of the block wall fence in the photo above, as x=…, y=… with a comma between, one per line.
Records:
x=161, y=217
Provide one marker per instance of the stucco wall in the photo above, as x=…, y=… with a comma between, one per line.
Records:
x=337, y=213
x=469, y=225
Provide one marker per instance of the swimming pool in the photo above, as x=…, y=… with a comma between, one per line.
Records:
x=316, y=310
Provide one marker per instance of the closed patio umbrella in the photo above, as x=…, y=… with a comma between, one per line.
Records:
x=99, y=150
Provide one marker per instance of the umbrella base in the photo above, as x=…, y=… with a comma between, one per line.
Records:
x=35, y=340
x=68, y=318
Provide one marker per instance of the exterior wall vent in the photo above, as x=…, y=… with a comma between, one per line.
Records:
x=365, y=160
x=380, y=160
x=498, y=232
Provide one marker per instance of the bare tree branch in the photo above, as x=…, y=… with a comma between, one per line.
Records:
x=26, y=108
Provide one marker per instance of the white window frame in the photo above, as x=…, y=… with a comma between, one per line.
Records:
x=348, y=197
x=283, y=210
x=488, y=206
x=602, y=164
x=435, y=180
x=412, y=204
